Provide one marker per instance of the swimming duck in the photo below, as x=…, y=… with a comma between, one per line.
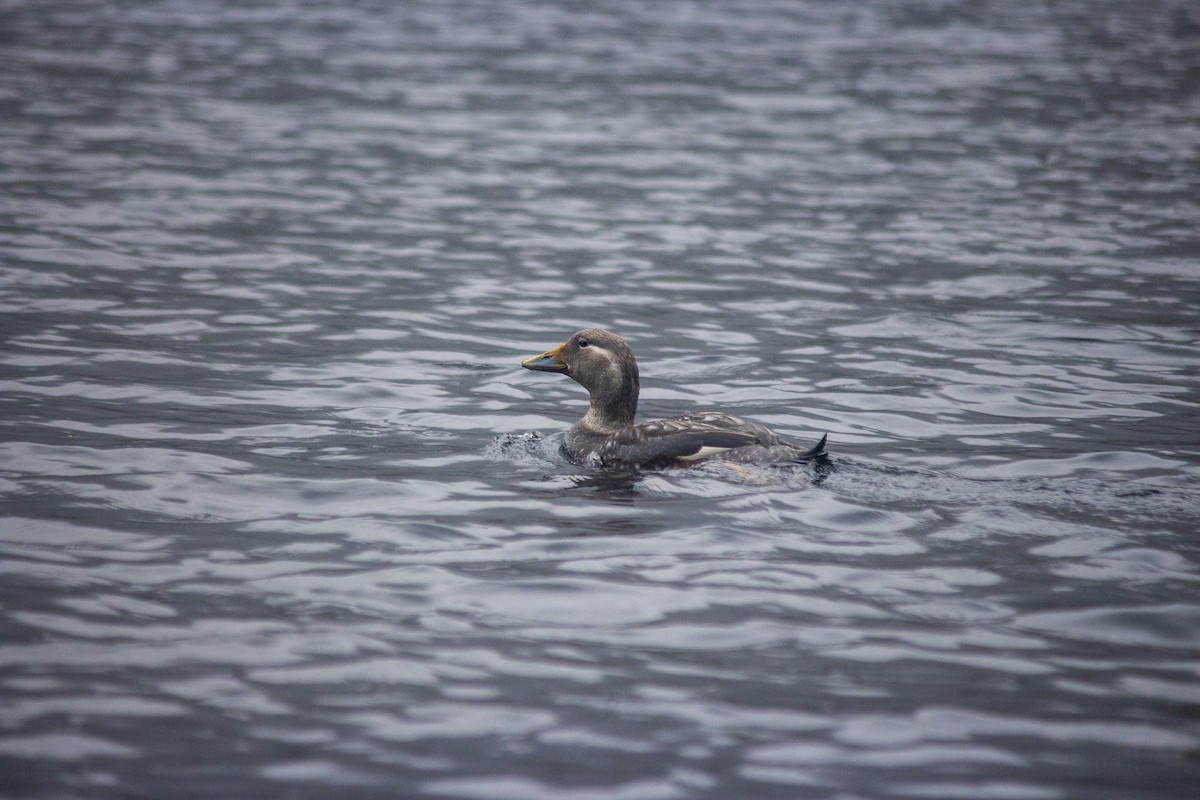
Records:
x=602, y=363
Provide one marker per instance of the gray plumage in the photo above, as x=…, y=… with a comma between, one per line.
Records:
x=603, y=363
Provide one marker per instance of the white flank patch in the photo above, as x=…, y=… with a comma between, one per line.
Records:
x=704, y=452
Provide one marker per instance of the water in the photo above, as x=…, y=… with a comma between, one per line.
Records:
x=275, y=522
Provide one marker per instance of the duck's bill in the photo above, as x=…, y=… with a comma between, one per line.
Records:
x=549, y=361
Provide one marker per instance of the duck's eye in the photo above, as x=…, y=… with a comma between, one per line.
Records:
x=582, y=342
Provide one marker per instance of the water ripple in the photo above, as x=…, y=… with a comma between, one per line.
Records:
x=281, y=514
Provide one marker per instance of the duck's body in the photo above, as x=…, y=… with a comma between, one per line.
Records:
x=602, y=363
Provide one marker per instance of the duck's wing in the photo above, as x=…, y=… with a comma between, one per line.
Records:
x=717, y=421
x=690, y=437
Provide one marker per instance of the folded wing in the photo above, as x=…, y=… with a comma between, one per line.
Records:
x=688, y=438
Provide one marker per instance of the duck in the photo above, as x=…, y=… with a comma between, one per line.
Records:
x=603, y=363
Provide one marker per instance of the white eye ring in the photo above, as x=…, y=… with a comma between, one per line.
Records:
x=583, y=342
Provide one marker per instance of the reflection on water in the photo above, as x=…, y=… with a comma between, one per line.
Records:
x=282, y=516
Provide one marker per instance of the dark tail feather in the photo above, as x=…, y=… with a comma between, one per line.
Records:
x=818, y=450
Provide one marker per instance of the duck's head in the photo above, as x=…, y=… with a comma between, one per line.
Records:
x=601, y=362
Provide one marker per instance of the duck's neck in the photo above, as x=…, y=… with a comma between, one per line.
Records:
x=613, y=402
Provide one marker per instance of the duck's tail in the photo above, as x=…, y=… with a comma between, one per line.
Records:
x=782, y=453
x=816, y=451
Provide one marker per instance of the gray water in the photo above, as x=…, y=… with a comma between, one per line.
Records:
x=283, y=517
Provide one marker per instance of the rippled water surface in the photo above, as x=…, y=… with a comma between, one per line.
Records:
x=283, y=517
